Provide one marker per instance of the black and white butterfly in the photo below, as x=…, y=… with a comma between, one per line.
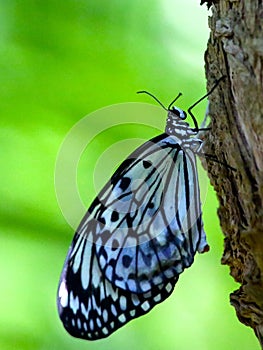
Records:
x=138, y=235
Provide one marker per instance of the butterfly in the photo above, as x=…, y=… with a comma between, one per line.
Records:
x=138, y=235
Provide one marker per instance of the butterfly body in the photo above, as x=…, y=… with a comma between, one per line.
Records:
x=138, y=235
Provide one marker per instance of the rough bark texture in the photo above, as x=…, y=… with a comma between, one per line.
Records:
x=235, y=49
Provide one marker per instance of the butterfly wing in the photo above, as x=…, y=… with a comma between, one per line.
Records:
x=136, y=238
x=91, y=307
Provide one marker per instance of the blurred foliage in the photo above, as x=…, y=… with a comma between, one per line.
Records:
x=61, y=60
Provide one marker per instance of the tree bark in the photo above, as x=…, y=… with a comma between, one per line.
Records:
x=235, y=49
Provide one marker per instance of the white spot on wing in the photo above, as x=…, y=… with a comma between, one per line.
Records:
x=145, y=306
x=98, y=322
x=113, y=310
x=123, y=302
x=91, y=324
x=105, y=330
x=157, y=298
x=74, y=303
x=169, y=287
x=105, y=315
x=79, y=323
x=85, y=266
x=122, y=318
x=132, y=313
x=63, y=294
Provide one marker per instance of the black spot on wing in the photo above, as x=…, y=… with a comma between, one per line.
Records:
x=114, y=216
x=146, y=164
x=126, y=261
x=151, y=205
x=124, y=183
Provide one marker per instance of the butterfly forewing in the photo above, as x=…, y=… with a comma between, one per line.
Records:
x=150, y=240
x=139, y=234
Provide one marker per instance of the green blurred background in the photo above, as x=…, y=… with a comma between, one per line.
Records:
x=61, y=60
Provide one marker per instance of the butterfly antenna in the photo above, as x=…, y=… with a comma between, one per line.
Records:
x=173, y=101
x=155, y=98
x=201, y=99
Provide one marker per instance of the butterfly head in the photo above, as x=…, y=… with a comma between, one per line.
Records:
x=175, y=124
x=178, y=112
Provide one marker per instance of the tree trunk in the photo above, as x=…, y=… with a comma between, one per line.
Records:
x=235, y=49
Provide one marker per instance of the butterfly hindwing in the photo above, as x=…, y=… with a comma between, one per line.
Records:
x=89, y=305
